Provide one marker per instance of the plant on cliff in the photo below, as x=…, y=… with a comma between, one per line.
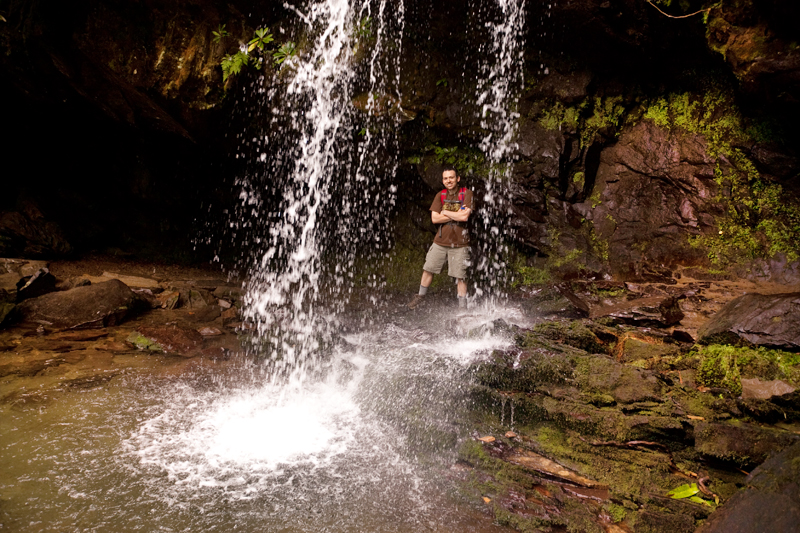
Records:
x=760, y=219
x=286, y=51
x=606, y=113
x=254, y=52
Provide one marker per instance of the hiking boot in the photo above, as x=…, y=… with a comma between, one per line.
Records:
x=413, y=304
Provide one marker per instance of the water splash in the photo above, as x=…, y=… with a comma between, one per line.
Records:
x=500, y=84
x=326, y=157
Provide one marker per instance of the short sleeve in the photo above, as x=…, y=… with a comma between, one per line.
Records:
x=468, y=200
x=436, y=206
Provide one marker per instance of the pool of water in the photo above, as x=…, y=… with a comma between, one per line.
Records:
x=369, y=447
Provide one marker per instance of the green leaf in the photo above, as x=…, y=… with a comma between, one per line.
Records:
x=287, y=50
x=220, y=33
x=697, y=499
x=684, y=491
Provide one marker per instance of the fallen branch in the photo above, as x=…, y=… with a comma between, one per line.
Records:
x=629, y=444
x=706, y=10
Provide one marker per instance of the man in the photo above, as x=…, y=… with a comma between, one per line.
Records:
x=450, y=211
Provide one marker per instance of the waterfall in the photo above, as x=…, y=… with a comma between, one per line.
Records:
x=314, y=198
x=499, y=87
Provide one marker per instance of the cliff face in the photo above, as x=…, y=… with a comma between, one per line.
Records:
x=645, y=142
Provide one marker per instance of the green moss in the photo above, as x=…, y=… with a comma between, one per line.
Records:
x=143, y=343
x=750, y=362
x=523, y=275
x=718, y=369
x=606, y=113
x=616, y=512
x=573, y=333
x=558, y=117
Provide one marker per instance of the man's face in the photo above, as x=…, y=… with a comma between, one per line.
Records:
x=450, y=180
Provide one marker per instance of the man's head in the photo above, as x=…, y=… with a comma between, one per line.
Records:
x=450, y=178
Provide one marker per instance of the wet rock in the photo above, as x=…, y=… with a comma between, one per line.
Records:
x=21, y=267
x=71, y=283
x=574, y=333
x=143, y=343
x=196, y=298
x=168, y=299
x=94, y=306
x=135, y=282
x=767, y=503
x=41, y=282
x=233, y=292
x=624, y=383
x=205, y=314
x=229, y=316
x=763, y=319
x=652, y=521
x=758, y=389
x=579, y=304
x=634, y=349
x=147, y=296
x=648, y=312
x=173, y=340
x=741, y=443
x=209, y=331
x=682, y=336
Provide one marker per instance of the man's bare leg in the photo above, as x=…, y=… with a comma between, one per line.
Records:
x=462, y=293
x=426, y=280
x=462, y=288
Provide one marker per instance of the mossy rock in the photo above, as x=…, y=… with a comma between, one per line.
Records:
x=141, y=342
x=574, y=334
x=624, y=383
x=718, y=369
x=636, y=349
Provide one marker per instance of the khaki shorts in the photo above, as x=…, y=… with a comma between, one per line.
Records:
x=457, y=260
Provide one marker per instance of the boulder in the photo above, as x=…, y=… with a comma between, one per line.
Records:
x=767, y=503
x=92, y=306
x=763, y=319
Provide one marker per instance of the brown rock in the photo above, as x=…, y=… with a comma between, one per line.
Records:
x=175, y=340
x=764, y=390
x=169, y=299
x=93, y=306
x=761, y=319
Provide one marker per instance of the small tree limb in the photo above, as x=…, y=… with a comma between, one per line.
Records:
x=706, y=10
